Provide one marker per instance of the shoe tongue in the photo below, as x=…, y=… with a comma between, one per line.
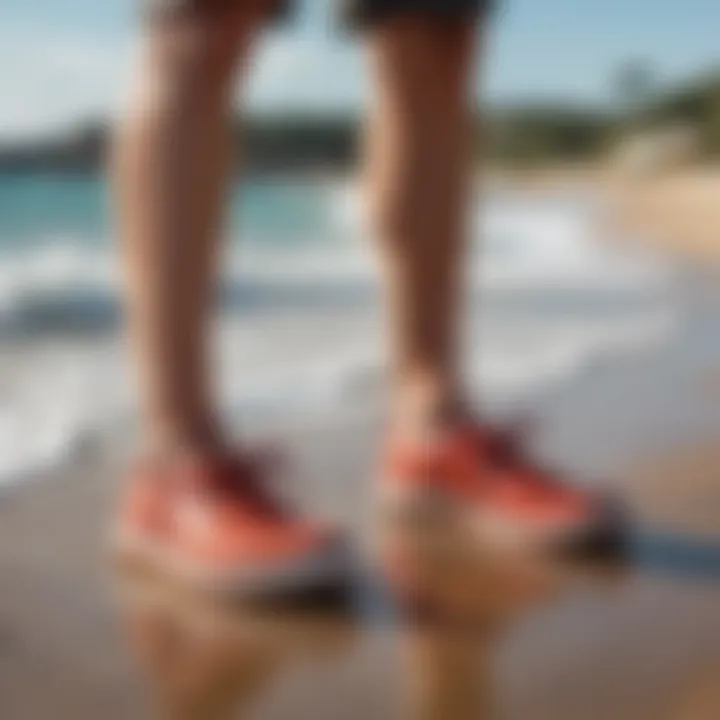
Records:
x=467, y=447
x=236, y=479
x=199, y=473
x=466, y=439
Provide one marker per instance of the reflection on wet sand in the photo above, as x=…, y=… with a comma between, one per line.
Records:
x=455, y=608
x=445, y=609
x=431, y=633
x=206, y=659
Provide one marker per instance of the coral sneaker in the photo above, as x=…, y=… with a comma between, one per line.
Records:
x=212, y=522
x=482, y=478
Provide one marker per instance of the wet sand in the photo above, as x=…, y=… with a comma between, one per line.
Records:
x=642, y=642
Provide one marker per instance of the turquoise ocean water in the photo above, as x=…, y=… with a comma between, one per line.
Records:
x=36, y=210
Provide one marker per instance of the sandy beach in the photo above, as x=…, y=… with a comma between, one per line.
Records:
x=673, y=209
x=640, y=643
x=557, y=164
x=623, y=381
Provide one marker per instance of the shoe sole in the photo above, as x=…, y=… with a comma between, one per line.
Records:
x=427, y=515
x=234, y=621
x=325, y=569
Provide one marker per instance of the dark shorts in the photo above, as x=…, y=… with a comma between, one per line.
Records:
x=363, y=12
x=355, y=13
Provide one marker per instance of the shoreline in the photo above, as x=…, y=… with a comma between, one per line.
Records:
x=670, y=210
x=631, y=647
x=639, y=645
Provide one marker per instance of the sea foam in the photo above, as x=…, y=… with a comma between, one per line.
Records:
x=301, y=330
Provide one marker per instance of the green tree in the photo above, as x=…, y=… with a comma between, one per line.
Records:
x=634, y=84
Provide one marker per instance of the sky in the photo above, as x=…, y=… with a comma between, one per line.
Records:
x=62, y=61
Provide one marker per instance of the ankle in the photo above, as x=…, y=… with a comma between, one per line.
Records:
x=180, y=439
x=428, y=410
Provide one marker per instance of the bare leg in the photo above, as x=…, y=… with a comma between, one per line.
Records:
x=202, y=503
x=419, y=162
x=171, y=168
x=418, y=171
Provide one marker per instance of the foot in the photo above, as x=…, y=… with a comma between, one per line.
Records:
x=482, y=478
x=212, y=522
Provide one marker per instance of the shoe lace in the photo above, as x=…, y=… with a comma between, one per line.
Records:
x=245, y=478
x=506, y=448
